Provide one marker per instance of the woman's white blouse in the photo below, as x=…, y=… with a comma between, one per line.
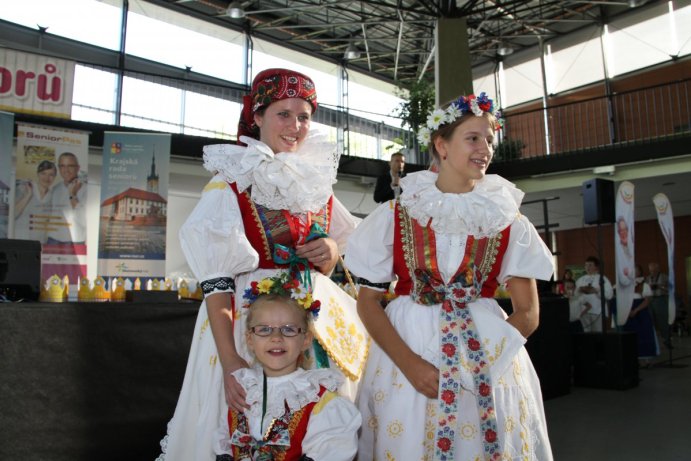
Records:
x=213, y=237
x=370, y=248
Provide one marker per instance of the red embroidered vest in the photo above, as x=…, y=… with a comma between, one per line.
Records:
x=415, y=250
x=297, y=428
x=265, y=227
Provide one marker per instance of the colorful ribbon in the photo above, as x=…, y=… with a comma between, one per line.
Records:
x=286, y=255
x=456, y=325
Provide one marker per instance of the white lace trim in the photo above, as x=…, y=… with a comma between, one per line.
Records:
x=489, y=208
x=296, y=389
x=295, y=181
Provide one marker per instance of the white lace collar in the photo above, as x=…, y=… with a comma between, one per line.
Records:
x=489, y=208
x=295, y=181
x=296, y=389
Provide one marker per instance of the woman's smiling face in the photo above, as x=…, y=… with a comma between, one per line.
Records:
x=284, y=124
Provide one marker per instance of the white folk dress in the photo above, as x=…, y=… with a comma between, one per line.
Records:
x=331, y=432
x=218, y=251
x=399, y=423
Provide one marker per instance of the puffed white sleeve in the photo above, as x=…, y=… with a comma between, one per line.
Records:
x=342, y=224
x=213, y=239
x=370, y=247
x=332, y=430
x=526, y=254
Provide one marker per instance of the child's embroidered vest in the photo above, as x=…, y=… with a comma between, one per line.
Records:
x=282, y=441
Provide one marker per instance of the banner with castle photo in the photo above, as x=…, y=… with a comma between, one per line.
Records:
x=134, y=205
x=6, y=137
x=50, y=197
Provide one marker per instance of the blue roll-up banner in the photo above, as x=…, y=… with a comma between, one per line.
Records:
x=134, y=205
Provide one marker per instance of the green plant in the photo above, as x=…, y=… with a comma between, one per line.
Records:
x=508, y=149
x=419, y=102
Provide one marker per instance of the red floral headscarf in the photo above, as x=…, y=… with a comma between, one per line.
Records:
x=272, y=85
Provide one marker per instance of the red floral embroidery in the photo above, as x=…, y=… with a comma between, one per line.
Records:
x=449, y=349
x=490, y=436
x=448, y=397
x=444, y=444
x=473, y=344
x=485, y=389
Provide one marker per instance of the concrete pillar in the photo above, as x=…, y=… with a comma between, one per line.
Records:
x=453, y=74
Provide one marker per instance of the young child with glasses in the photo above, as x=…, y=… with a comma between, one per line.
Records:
x=294, y=414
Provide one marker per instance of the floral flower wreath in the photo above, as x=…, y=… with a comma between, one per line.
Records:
x=283, y=285
x=476, y=105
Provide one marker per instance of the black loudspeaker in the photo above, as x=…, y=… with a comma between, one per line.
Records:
x=20, y=269
x=605, y=361
x=598, y=201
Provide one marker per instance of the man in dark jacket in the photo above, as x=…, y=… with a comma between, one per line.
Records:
x=388, y=186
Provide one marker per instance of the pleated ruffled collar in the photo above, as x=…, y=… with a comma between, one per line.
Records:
x=489, y=208
x=295, y=390
x=295, y=181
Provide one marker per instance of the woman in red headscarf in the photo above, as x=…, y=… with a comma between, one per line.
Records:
x=269, y=209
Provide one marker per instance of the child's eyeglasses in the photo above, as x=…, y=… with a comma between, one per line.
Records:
x=286, y=330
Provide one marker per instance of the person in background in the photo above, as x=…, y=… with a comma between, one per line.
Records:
x=640, y=321
x=388, y=184
x=33, y=207
x=447, y=375
x=294, y=413
x=269, y=209
x=560, y=285
x=575, y=306
x=69, y=203
x=588, y=289
x=659, y=303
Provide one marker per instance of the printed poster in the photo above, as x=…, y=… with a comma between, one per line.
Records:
x=624, y=250
x=50, y=197
x=666, y=220
x=134, y=205
x=6, y=136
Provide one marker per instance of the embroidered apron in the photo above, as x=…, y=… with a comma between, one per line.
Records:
x=415, y=263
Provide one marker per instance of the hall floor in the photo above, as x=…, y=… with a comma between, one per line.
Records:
x=647, y=422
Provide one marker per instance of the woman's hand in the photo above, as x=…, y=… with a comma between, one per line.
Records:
x=235, y=393
x=321, y=252
x=423, y=376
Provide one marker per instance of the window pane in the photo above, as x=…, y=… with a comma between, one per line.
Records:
x=210, y=117
x=93, y=98
x=522, y=81
x=101, y=29
x=636, y=43
x=682, y=19
x=151, y=105
x=182, y=41
x=570, y=66
x=373, y=95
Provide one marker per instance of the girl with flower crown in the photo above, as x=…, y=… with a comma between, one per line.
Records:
x=269, y=209
x=294, y=414
x=448, y=377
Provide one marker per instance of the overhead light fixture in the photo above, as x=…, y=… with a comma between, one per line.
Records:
x=235, y=10
x=351, y=52
x=635, y=3
x=504, y=50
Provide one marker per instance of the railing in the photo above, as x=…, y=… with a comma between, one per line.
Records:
x=624, y=117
